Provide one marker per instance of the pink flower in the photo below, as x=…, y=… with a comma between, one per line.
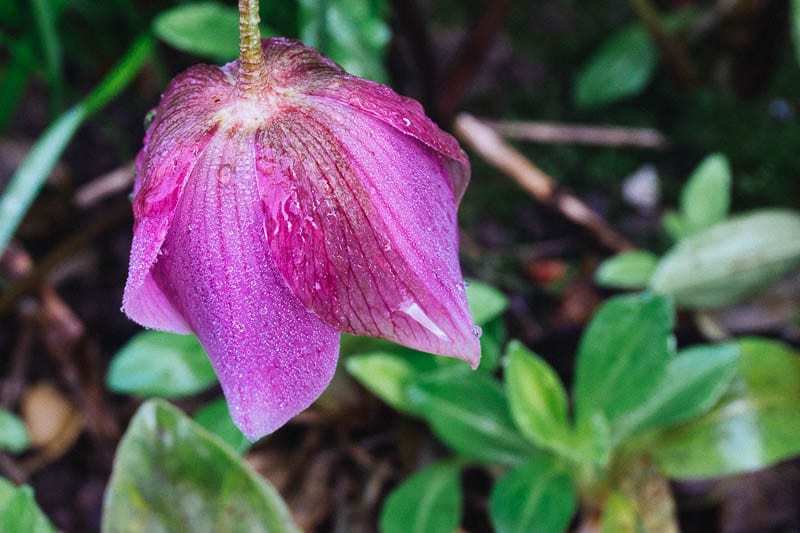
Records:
x=269, y=220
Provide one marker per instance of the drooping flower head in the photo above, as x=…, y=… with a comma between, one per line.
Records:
x=279, y=204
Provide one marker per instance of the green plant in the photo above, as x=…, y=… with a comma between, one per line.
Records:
x=640, y=411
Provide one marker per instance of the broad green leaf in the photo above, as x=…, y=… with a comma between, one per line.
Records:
x=754, y=425
x=19, y=512
x=469, y=412
x=620, y=515
x=388, y=375
x=695, y=380
x=535, y=496
x=13, y=434
x=621, y=68
x=206, y=29
x=216, y=418
x=730, y=260
x=628, y=270
x=674, y=225
x=156, y=363
x=592, y=441
x=537, y=399
x=172, y=475
x=492, y=340
x=350, y=32
x=427, y=502
x=485, y=302
x=31, y=175
x=706, y=198
x=623, y=355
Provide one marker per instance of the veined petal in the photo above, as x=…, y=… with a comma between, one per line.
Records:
x=404, y=114
x=304, y=72
x=361, y=221
x=272, y=356
x=171, y=148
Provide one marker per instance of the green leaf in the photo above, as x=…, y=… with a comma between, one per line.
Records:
x=45, y=17
x=388, y=375
x=694, y=381
x=628, y=270
x=156, y=363
x=492, y=340
x=350, y=32
x=206, y=29
x=19, y=512
x=621, y=68
x=536, y=496
x=216, y=418
x=469, y=412
x=13, y=433
x=620, y=515
x=537, y=399
x=485, y=302
x=172, y=475
x=795, y=22
x=706, y=198
x=623, y=355
x=754, y=425
x=730, y=260
x=31, y=175
x=674, y=225
x=427, y=502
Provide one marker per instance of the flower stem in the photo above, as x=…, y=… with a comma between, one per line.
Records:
x=252, y=68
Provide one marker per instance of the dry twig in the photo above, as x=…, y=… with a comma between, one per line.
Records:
x=502, y=155
x=557, y=132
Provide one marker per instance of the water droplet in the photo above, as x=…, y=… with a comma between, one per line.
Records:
x=415, y=312
x=406, y=121
x=224, y=174
x=477, y=331
x=466, y=283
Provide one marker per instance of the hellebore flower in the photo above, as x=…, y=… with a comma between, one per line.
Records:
x=274, y=211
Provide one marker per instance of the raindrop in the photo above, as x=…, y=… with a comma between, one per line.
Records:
x=466, y=283
x=224, y=174
x=477, y=331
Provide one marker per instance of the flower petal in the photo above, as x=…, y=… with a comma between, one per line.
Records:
x=361, y=221
x=306, y=72
x=272, y=356
x=171, y=147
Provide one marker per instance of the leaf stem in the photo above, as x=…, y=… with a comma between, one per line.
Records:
x=252, y=67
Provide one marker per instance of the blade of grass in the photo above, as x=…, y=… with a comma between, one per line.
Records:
x=31, y=175
x=45, y=18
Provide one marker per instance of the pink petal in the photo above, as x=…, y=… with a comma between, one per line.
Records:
x=403, y=114
x=361, y=221
x=171, y=147
x=273, y=357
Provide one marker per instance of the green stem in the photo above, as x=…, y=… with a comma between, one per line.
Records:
x=252, y=67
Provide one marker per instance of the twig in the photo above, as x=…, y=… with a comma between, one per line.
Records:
x=31, y=279
x=675, y=54
x=527, y=175
x=118, y=180
x=470, y=56
x=557, y=132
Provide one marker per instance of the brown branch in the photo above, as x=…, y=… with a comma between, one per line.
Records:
x=502, y=155
x=118, y=180
x=557, y=132
x=675, y=55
